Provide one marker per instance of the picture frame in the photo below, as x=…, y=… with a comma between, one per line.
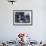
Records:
x=22, y=17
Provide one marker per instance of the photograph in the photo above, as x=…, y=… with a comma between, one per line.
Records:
x=22, y=17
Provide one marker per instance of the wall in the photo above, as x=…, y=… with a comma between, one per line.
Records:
x=37, y=31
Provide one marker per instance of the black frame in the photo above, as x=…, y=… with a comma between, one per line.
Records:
x=14, y=23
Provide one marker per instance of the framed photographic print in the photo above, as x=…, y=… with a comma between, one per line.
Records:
x=22, y=17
